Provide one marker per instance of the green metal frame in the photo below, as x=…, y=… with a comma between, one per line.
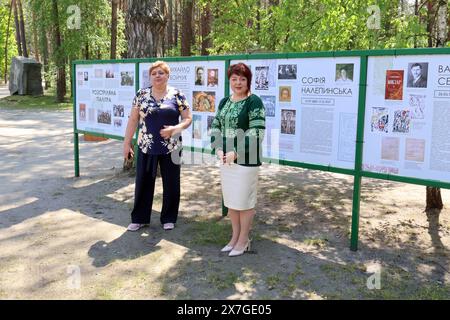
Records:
x=357, y=172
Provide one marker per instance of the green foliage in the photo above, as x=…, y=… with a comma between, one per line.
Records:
x=12, y=47
x=44, y=102
x=94, y=31
x=313, y=25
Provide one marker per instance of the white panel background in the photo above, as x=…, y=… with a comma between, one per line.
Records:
x=437, y=91
x=96, y=80
x=277, y=145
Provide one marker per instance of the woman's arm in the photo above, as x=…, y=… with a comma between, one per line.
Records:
x=129, y=132
x=186, y=120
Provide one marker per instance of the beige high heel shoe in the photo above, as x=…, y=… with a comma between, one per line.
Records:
x=226, y=248
x=234, y=253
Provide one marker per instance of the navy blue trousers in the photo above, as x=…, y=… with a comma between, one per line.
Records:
x=145, y=187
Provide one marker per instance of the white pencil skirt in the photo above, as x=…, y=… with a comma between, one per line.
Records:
x=239, y=186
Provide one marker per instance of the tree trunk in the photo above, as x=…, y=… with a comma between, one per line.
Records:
x=416, y=13
x=86, y=51
x=186, y=34
x=169, y=36
x=206, y=23
x=114, y=4
x=430, y=23
x=16, y=22
x=442, y=21
x=163, y=10
x=35, y=37
x=61, y=75
x=434, y=199
x=6, y=43
x=22, y=30
x=175, y=40
x=44, y=49
x=144, y=27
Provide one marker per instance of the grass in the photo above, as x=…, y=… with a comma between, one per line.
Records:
x=398, y=284
x=210, y=232
x=272, y=281
x=44, y=102
x=223, y=281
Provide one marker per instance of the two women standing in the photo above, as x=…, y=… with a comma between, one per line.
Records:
x=237, y=134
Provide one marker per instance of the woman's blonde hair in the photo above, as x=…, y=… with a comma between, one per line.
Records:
x=159, y=64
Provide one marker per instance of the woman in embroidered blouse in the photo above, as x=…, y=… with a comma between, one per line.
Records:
x=157, y=110
x=237, y=132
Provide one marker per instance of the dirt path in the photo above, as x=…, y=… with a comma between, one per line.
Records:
x=4, y=92
x=54, y=226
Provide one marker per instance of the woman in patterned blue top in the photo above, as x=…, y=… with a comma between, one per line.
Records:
x=157, y=110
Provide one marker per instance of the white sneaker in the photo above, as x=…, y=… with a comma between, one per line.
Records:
x=135, y=226
x=168, y=226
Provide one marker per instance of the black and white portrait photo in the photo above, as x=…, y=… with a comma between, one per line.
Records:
x=287, y=71
x=417, y=75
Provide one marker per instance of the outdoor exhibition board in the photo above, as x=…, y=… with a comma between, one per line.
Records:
x=311, y=108
x=203, y=84
x=104, y=93
x=381, y=114
x=407, y=118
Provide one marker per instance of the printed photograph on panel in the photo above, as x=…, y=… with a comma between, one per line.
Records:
x=199, y=76
x=104, y=116
x=262, y=78
x=209, y=124
x=402, y=121
x=285, y=94
x=417, y=106
x=287, y=72
x=380, y=119
x=288, y=121
x=415, y=150
x=204, y=101
x=196, y=126
x=213, y=78
x=145, y=83
x=98, y=73
x=118, y=110
x=390, y=148
x=394, y=85
x=117, y=123
x=109, y=74
x=269, y=105
x=80, y=78
x=127, y=78
x=417, y=75
x=82, y=112
x=344, y=73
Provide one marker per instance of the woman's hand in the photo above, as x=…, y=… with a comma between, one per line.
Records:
x=127, y=150
x=229, y=157
x=167, y=132
x=220, y=156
